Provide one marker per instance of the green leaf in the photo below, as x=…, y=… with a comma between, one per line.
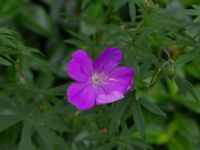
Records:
x=58, y=90
x=138, y=117
x=57, y=124
x=193, y=12
x=6, y=31
x=36, y=19
x=107, y=146
x=192, y=105
x=180, y=143
x=5, y=62
x=116, y=117
x=132, y=9
x=79, y=40
x=118, y=4
x=49, y=137
x=84, y=3
x=185, y=58
x=139, y=144
x=8, y=120
x=25, y=142
x=151, y=106
x=184, y=86
x=189, y=128
x=7, y=105
x=9, y=9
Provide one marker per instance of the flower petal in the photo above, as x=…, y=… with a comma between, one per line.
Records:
x=122, y=76
x=108, y=60
x=82, y=95
x=80, y=67
x=119, y=82
x=104, y=98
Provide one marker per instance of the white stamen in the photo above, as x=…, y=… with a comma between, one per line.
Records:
x=98, y=78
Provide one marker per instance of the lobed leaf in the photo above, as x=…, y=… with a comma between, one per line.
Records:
x=138, y=117
x=151, y=106
x=184, y=86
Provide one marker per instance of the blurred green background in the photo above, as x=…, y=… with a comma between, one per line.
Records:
x=160, y=39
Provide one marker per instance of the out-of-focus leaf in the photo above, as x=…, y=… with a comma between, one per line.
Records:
x=138, y=117
x=192, y=105
x=6, y=31
x=80, y=40
x=116, y=117
x=84, y=3
x=25, y=142
x=193, y=70
x=107, y=146
x=179, y=143
x=185, y=58
x=10, y=107
x=41, y=64
x=189, y=2
x=132, y=9
x=155, y=129
x=194, y=12
x=184, y=86
x=9, y=9
x=81, y=145
x=57, y=124
x=8, y=40
x=9, y=137
x=5, y=62
x=188, y=129
x=96, y=137
x=118, y=4
x=138, y=144
x=93, y=11
x=151, y=107
x=50, y=138
x=127, y=140
x=8, y=120
x=35, y=18
x=59, y=90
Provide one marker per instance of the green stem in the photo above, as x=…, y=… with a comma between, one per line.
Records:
x=154, y=78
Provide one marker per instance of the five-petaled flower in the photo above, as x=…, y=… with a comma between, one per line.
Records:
x=97, y=82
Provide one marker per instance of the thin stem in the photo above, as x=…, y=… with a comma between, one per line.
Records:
x=154, y=78
x=156, y=75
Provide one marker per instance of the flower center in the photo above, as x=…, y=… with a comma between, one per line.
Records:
x=98, y=78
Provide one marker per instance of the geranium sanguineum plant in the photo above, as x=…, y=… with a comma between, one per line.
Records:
x=97, y=82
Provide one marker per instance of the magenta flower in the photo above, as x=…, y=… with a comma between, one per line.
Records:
x=97, y=82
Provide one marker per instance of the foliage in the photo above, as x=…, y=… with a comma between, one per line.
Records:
x=158, y=38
